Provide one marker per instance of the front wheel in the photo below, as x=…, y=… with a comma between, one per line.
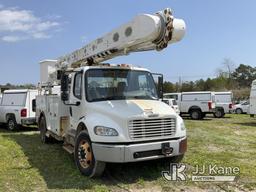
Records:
x=84, y=157
x=43, y=130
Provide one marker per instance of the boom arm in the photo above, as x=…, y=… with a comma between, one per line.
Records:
x=145, y=32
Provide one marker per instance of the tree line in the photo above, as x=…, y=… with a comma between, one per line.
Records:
x=237, y=79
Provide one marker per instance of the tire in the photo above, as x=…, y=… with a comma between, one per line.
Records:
x=43, y=130
x=196, y=114
x=12, y=124
x=239, y=111
x=84, y=157
x=219, y=113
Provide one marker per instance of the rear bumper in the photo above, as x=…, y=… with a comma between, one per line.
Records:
x=137, y=152
x=28, y=121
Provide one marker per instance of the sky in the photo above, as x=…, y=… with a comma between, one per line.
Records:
x=31, y=31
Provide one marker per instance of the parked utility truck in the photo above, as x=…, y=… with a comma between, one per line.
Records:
x=16, y=108
x=196, y=104
x=112, y=113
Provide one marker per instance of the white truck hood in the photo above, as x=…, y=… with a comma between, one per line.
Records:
x=117, y=114
x=133, y=108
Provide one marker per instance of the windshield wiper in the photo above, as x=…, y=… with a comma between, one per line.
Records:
x=144, y=97
x=116, y=97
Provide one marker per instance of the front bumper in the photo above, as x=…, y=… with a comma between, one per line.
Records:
x=137, y=152
x=28, y=121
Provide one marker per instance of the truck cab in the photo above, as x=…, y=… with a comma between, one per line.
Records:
x=111, y=114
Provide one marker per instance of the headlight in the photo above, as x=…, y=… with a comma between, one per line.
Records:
x=182, y=126
x=105, y=131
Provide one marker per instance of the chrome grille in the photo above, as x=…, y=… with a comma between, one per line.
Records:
x=148, y=128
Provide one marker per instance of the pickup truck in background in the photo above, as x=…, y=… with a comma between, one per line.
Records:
x=173, y=104
x=224, y=103
x=196, y=104
x=16, y=108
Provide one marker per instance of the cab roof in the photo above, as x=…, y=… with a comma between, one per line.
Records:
x=128, y=67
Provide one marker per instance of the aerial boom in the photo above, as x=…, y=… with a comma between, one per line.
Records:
x=145, y=32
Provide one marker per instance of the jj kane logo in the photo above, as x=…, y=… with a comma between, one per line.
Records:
x=177, y=172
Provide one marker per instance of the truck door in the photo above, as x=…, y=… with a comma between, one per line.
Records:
x=76, y=98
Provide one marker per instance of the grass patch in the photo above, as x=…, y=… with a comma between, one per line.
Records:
x=28, y=165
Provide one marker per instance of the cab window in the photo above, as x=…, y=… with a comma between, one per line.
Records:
x=77, y=90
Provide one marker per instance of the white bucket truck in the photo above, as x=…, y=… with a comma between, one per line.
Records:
x=112, y=113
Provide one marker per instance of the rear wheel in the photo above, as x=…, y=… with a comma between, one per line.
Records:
x=84, y=157
x=196, y=114
x=239, y=111
x=218, y=113
x=43, y=130
x=12, y=124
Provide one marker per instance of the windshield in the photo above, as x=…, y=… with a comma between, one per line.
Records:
x=116, y=84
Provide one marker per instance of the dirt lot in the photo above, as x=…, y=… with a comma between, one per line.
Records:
x=28, y=165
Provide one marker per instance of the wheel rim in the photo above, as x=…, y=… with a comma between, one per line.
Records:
x=195, y=115
x=84, y=154
x=11, y=124
x=238, y=111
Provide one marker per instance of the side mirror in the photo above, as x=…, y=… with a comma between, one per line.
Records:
x=159, y=82
x=59, y=74
x=34, y=105
x=64, y=87
x=160, y=86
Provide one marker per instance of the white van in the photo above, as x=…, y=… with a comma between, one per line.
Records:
x=223, y=103
x=16, y=108
x=252, y=108
x=196, y=104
